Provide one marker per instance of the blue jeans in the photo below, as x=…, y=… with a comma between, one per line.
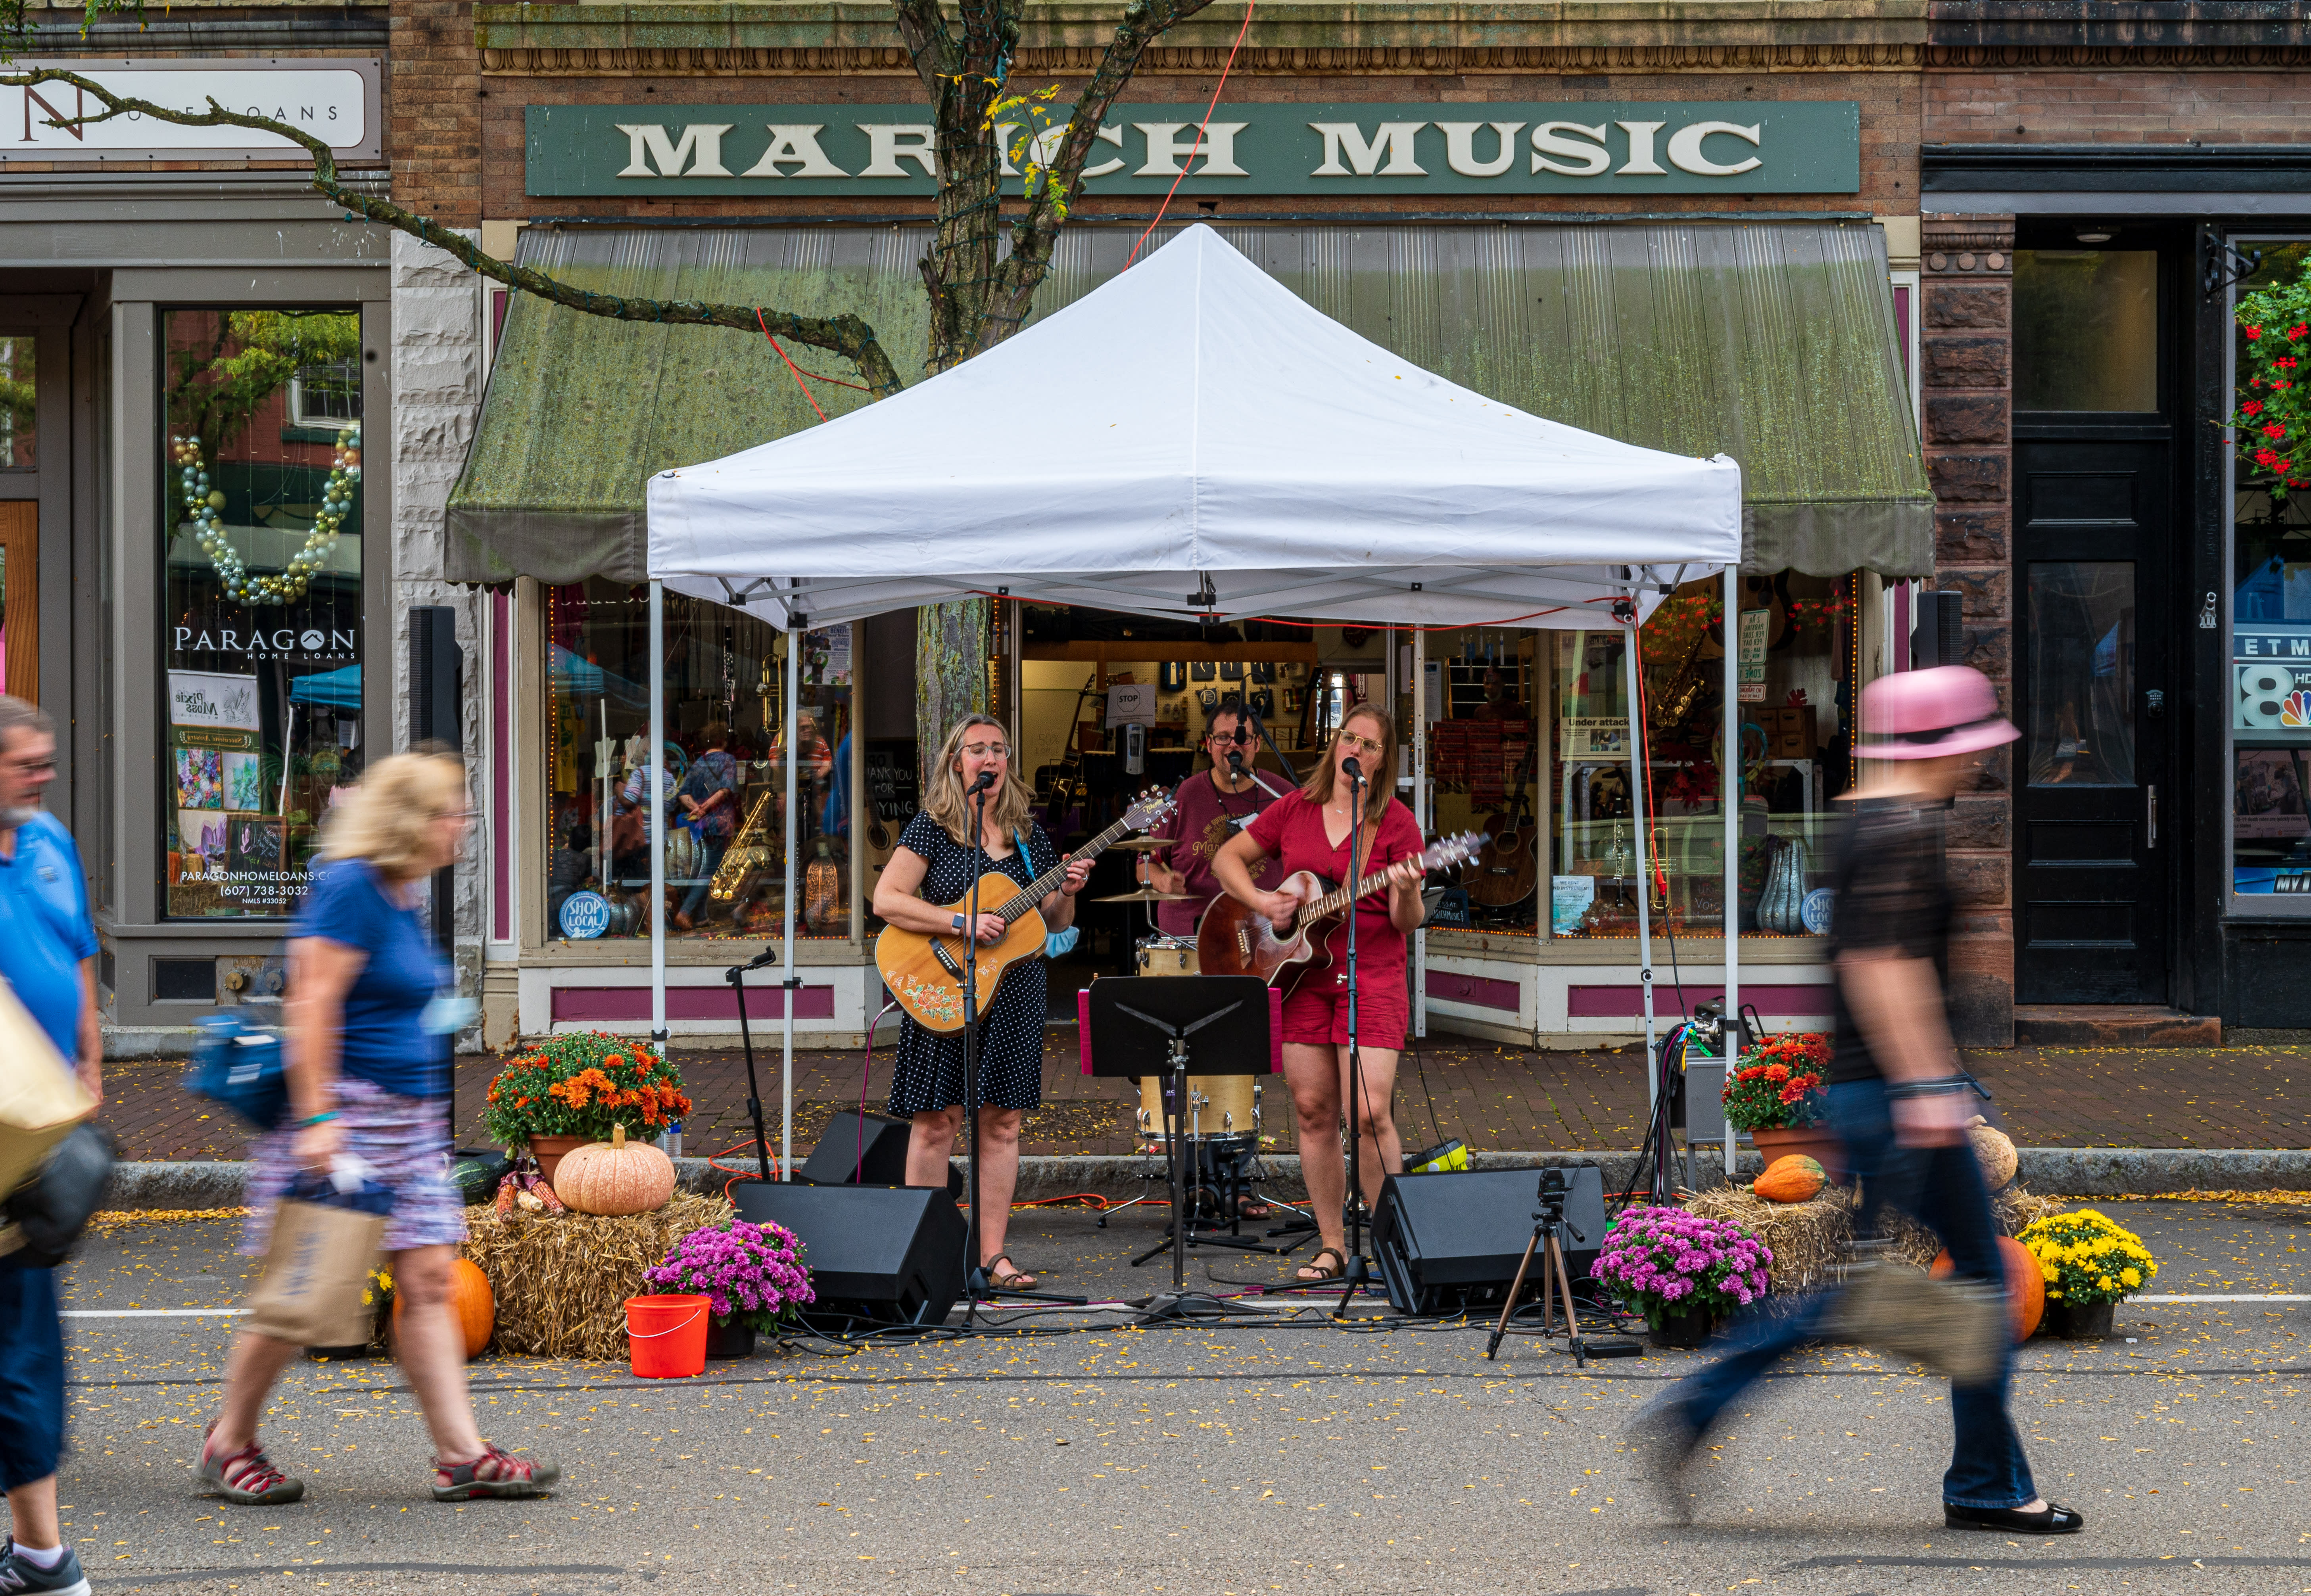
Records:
x=1942, y=1188
x=713, y=848
x=32, y=1376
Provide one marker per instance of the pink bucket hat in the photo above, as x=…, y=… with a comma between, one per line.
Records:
x=1927, y=714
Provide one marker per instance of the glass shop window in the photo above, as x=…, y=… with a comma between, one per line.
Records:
x=722, y=777
x=261, y=538
x=1795, y=644
x=19, y=413
x=2086, y=329
x=2271, y=604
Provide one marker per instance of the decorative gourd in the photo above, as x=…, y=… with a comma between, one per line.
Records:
x=1994, y=1149
x=614, y=1177
x=1793, y=1178
x=2025, y=1285
x=472, y=1306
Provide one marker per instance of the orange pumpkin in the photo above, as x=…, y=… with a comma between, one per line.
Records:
x=2025, y=1285
x=471, y=1306
x=614, y=1177
x=1793, y=1178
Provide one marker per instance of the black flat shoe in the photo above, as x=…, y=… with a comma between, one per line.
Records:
x=2052, y=1520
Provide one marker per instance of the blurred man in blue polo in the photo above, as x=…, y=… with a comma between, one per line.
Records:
x=47, y=955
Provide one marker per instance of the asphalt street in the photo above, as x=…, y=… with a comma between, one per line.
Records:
x=1265, y=1454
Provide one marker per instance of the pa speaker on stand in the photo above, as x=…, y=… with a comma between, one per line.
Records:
x=879, y=1255
x=1447, y=1242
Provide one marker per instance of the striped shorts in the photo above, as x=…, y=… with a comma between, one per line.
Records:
x=404, y=1140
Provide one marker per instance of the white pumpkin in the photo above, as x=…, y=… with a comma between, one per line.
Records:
x=1994, y=1149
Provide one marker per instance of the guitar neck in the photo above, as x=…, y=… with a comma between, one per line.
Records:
x=1332, y=903
x=1042, y=886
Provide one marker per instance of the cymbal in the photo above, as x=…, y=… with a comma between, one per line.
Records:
x=1148, y=895
x=1144, y=844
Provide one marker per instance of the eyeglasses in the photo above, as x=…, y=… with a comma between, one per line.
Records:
x=1238, y=735
x=1367, y=743
x=987, y=750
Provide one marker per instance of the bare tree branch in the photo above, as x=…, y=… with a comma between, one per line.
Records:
x=847, y=336
x=1033, y=234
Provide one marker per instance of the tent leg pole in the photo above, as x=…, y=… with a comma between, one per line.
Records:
x=1638, y=771
x=786, y=1082
x=1417, y=734
x=1728, y=796
x=654, y=798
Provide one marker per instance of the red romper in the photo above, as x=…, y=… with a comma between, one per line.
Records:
x=1316, y=1012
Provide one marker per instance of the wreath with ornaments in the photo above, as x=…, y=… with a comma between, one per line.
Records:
x=2274, y=406
x=204, y=506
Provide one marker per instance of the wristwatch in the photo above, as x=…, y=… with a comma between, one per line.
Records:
x=958, y=925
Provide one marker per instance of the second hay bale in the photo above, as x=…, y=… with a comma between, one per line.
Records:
x=561, y=1281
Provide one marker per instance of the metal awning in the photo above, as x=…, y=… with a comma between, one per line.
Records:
x=1773, y=342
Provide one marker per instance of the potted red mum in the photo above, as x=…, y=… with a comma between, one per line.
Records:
x=1779, y=1093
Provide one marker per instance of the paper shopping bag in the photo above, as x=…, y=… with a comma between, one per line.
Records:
x=316, y=1268
x=40, y=1097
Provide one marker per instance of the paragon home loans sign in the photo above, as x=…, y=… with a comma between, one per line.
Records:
x=1580, y=147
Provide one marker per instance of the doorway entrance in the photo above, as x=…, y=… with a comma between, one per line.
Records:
x=2092, y=690
x=20, y=599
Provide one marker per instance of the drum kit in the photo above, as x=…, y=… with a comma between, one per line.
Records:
x=1221, y=1113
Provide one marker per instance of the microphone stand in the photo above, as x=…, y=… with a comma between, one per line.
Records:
x=975, y=1275
x=737, y=976
x=1259, y=728
x=1353, y=1271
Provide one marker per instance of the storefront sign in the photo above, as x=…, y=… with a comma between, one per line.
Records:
x=251, y=639
x=1752, y=662
x=585, y=915
x=335, y=99
x=2272, y=662
x=1587, y=147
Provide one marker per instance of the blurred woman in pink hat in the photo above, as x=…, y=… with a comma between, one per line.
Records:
x=1897, y=1096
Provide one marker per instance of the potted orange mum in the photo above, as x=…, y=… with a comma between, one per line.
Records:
x=576, y=1087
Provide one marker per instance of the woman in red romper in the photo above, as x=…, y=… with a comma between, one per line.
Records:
x=1308, y=831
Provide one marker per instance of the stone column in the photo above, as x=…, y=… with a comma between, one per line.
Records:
x=1965, y=337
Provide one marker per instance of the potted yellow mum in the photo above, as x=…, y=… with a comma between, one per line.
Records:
x=2090, y=1264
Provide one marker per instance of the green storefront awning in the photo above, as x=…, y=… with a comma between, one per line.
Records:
x=1772, y=342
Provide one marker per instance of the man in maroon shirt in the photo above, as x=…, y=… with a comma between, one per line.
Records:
x=1212, y=808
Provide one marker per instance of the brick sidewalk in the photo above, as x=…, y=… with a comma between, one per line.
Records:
x=1494, y=1098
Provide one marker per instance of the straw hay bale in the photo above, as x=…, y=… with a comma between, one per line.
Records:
x=562, y=1281
x=1810, y=1240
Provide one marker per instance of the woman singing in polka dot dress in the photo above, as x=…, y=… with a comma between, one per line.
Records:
x=933, y=864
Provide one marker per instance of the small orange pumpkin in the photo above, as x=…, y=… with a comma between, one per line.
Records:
x=614, y=1177
x=472, y=1306
x=1793, y=1178
x=2025, y=1285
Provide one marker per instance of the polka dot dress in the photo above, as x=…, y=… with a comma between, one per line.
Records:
x=929, y=1074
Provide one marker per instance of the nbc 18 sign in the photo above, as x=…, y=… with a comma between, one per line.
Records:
x=1566, y=147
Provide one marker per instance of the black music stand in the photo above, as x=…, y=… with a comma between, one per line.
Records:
x=1143, y=1025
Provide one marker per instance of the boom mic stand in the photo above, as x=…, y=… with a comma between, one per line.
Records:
x=737, y=976
x=975, y=1272
x=1354, y=1272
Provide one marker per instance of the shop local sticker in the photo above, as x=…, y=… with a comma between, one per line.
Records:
x=585, y=916
x=1815, y=912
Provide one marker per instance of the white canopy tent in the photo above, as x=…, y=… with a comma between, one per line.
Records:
x=1192, y=439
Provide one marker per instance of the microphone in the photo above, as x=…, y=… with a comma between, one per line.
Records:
x=1235, y=761
x=1353, y=771
x=986, y=779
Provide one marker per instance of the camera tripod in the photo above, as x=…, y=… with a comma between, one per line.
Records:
x=1549, y=1227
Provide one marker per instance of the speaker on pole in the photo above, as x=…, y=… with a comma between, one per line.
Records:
x=1449, y=1241
x=878, y=1255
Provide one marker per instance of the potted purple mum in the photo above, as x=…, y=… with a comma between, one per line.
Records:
x=1681, y=1271
x=752, y=1277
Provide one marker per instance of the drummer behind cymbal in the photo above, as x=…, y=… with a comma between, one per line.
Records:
x=1212, y=807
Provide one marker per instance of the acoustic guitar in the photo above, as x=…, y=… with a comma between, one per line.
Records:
x=1508, y=867
x=925, y=972
x=1234, y=939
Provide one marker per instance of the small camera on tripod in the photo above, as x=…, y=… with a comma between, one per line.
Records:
x=1549, y=1217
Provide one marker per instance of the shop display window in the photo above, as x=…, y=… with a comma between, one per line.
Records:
x=19, y=413
x=262, y=541
x=721, y=775
x=2086, y=330
x=2270, y=622
x=1495, y=694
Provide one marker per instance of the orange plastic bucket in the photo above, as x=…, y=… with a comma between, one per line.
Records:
x=667, y=1336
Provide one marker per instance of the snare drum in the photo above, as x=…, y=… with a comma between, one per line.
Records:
x=1217, y=1105
x=1164, y=955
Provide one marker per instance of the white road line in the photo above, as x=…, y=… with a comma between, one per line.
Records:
x=2280, y=1296
x=149, y=1312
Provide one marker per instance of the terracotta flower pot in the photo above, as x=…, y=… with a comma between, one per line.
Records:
x=548, y=1150
x=1816, y=1142
x=2078, y=1321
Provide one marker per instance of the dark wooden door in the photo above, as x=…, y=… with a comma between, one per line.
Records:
x=2092, y=694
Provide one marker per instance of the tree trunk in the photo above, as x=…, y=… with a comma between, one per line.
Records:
x=950, y=673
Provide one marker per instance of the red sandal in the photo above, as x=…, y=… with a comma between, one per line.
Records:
x=247, y=1475
x=497, y=1472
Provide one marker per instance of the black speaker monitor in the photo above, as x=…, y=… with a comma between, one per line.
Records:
x=877, y=1254
x=858, y=1149
x=1452, y=1241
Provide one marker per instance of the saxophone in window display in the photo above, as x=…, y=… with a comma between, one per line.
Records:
x=751, y=857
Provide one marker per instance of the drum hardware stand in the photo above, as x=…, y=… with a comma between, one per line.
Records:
x=1549, y=1227
x=1181, y=1233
